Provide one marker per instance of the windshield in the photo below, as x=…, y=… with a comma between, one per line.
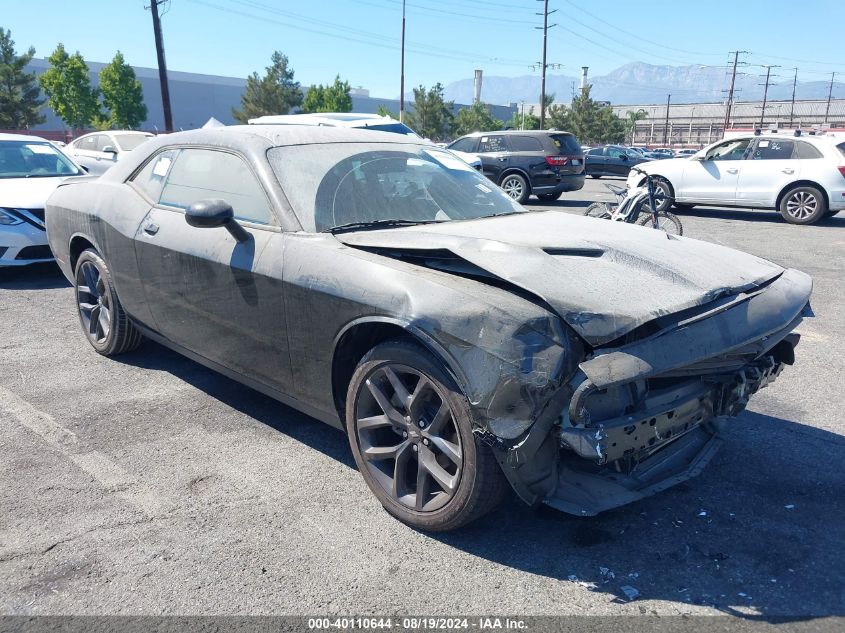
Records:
x=331, y=185
x=397, y=128
x=128, y=142
x=33, y=159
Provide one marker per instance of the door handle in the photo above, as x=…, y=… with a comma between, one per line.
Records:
x=732, y=170
x=151, y=229
x=502, y=158
x=788, y=171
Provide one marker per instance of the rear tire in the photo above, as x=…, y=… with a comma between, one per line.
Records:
x=103, y=319
x=411, y=432
x=549, y=197
x=803, y=205
x=666, y=221
x=516, y=186
x=599, y=210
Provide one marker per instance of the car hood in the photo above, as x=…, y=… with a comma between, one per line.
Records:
x=603, y=278
x=28, y=193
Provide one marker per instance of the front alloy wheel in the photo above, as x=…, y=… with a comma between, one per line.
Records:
x=411, y=431
x=408, y=437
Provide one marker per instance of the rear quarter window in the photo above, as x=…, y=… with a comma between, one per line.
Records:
x=806, y=150
x=841, y=148
x=566, y=143
x=525, y=144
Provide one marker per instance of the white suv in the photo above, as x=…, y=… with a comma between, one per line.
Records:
x=802, y=176
x=356, y=120
x=100, y=150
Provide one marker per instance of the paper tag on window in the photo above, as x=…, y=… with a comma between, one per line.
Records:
x=162, y=166
x=40, y=149
x=763, y=144
x=483, y=139
x=449, y=161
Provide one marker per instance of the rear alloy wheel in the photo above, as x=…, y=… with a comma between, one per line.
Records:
x=103, y=319
x=803, y=205
x=549, y=197
x=516, y=187
x=410, y=429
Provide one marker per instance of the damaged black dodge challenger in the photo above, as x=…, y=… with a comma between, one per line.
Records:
x=463, y=343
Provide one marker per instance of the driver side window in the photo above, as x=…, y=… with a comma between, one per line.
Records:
x=733, y=149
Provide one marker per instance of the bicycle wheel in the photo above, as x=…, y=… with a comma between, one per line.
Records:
x=666, y=221
x=599, y=210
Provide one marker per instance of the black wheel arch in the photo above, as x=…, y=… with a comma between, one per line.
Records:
x=515, y=170
x=78, y=243
x=361, y=335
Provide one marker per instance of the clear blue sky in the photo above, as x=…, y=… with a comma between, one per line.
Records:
x=446, y=39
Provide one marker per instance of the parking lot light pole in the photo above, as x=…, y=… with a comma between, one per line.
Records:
x=829, y=95
x=666, y=123
x=545, y=28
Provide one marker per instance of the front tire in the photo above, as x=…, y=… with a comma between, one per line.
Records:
x=803, y=205
x=666, y=221
x=516, y=186
x=410, y=429
x=103, y=319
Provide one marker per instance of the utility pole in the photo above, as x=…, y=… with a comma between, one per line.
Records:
x=792, y=107
x=731, y=90
x=829, y=95
x=765, y=93
x=666, y=124
x=162, y=66
x=402, y=71
x=546, y=28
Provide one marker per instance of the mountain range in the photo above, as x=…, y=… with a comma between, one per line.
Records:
x=640, y=83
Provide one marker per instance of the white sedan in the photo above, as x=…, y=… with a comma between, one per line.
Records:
x=30, y=170
x=100, y=150
x=803, y=177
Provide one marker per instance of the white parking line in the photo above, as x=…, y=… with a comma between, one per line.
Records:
x=99, y=466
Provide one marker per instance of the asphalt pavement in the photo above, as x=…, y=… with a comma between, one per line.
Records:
x=151, y=485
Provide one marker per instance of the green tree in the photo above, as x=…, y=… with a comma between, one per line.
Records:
x=432, y=117
x=383, y=111
x=631, y=122
x=19, y=92
x=123, y=97
x=590, y=121
x=68, y=88
x=331, y=98
x=274, y=93
x=476, y=118
x=524, y=120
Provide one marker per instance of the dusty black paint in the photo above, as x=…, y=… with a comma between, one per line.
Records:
x=512, y=306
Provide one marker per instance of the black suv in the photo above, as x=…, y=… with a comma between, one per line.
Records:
x=523, y=162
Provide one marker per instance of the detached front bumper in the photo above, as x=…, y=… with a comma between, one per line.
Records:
x=644, y=416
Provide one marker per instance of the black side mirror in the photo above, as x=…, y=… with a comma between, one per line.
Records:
x=212, y=213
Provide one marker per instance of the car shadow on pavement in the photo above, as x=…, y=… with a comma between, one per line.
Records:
x=757, y=535
x=559, y=203
x=252, y=403
x=35, y=277
x=752, y=215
